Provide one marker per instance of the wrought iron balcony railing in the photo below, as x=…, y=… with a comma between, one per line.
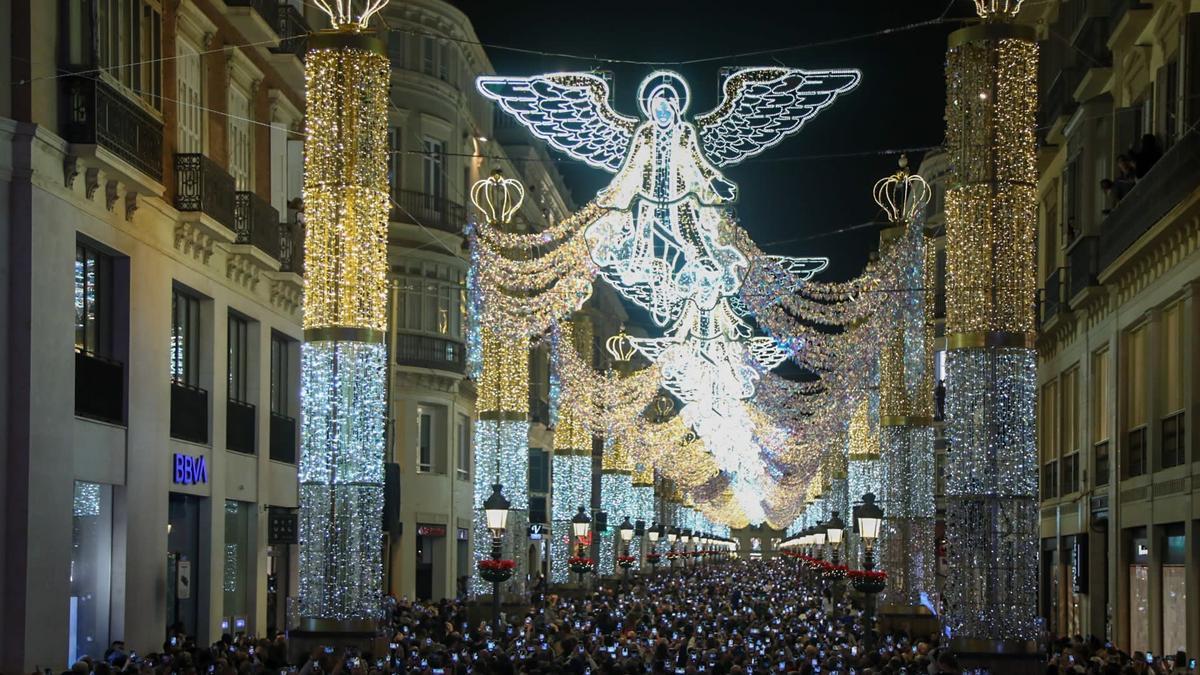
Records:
x=96, y=113
x=256, y=223
x=1081, y=265
x=431, y=211
x=425, y=351
x=201, y=185
x=293, y=31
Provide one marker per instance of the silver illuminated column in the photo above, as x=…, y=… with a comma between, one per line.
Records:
x=991, y=485
x=906, y=403
x=343, y=357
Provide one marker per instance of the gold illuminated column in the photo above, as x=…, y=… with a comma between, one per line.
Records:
x=864, y=468
x=502, y=432
x=571, y=467
x=343, y=358
x=991, y=484
x=906, y=405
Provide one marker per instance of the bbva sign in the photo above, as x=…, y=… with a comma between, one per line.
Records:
x=190, y=470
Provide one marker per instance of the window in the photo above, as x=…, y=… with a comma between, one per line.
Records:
x=1172, y=395
x=444, y=61
x=1070, y=474
x=91, y=570
x=1170, y=102
x=433, y=171
x=1135, y=402
x=395, y=159
x=185, y=338
x=280, y=375
x=93, y=301
x=129, y=45
x=537, y=509
x=431, y=298
x=428, y=55
x=238, y=359
x=1071, y=199
x=1099, y=414
x=539, y=470
x=1135, y=453
x=1070, y=411
x=1049, y=427
x=240, y=139
x=187, y=90
x=396, y=48
x=464, y=448
x=1172, y=440
x=424, y=441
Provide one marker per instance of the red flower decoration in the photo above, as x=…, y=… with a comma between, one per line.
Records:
x=581, y=562
x=626, y=558
x=867, y=575
x=489, y=564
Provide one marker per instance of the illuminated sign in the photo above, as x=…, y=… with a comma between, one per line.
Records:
x=190, y=470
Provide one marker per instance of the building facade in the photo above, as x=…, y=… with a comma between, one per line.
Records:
x=1119, y=386
x=444, y=137
x=150, y=161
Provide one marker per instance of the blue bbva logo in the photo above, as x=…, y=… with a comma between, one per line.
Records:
x=190, y=470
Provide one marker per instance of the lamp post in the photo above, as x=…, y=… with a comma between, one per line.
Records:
x=626, y=530
x=496, y=512
x=870, y=518
x=834, y=530
x=672, y=535
x=654, y=533
x=686, y=537
x=819, y=541
x=581, y=525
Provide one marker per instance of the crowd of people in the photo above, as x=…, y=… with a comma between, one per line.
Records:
x=731, y=618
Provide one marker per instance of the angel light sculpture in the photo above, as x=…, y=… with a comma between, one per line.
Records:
x=657, y=239
x=658, y=236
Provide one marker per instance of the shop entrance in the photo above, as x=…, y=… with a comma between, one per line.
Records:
x=183, y=558
x=424, y=568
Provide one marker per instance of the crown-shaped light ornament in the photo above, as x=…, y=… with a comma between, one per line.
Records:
x=497, y=197
x=620, y=347
x=350, y=14
x=998, y=9
x=902, y=195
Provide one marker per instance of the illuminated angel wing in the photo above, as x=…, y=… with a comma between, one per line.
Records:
x=762, y=106
x=570, y=111
x=801, y=268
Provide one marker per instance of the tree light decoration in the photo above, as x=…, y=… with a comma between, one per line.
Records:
x=502, y=401
x=343, y=358
x=991, y=484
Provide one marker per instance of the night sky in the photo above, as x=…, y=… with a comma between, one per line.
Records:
x=795, y=198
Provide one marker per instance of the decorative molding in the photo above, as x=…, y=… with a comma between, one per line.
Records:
x=191, y=238
x=286, y=294
x=91, y=182
x=110, y=194
x=70, y=171
x=131, y=204
x=242, y=269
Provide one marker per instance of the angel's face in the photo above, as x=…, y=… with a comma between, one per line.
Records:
x=664, y=111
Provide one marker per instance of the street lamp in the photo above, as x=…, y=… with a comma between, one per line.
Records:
x=654, y=533
x=819, y=540
x=495, y=510
x=834, y=530
x=870, y=518
x=686, y=537
x=626, y=530
x=581, y=524
x=672, y=535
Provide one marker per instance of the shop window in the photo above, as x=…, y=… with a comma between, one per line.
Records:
x=91, y=571
x=1174, y=590
x=1139, y=591
x=239, y=369
x=238, y=551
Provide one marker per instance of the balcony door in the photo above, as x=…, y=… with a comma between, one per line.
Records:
x=240, y=147
x=190, y=137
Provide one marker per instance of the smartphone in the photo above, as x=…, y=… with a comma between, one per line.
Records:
x=914, y=650
x=491, y=645
x=454, y=657
x=1192, y=664
x=854, y=651
x=1149, y=657
x=174, y=640
x=424, y=663
x=251, y=649
x=328, y=650
x=624, y=651
x=393, y=646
